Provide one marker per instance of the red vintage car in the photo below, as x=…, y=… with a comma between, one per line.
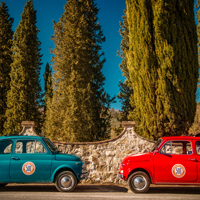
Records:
x=172, y=160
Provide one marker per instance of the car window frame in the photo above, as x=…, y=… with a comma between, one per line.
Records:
x=46, y=140
x=171, y=147
x=157, y=145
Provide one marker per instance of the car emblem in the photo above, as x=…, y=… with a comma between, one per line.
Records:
x=28, y=168
x=178, y=171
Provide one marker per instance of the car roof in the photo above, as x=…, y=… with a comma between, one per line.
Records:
x=181, y=138
x=19, y=137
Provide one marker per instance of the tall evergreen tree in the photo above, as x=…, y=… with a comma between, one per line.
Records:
x=25, y=92
x=79, y=109
x=198, y=34
x=47, y=85
x=163, y=65
x=6, y=35
x=126, y=92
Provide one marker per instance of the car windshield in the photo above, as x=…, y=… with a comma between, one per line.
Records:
x=50, y=145
x=156, y=145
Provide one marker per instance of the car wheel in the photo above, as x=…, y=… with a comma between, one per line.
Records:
x=66, y=181
x=3, y=184
x=139, y=182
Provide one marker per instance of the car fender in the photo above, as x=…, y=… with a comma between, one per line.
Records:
x=65, y=166
x=139, y=168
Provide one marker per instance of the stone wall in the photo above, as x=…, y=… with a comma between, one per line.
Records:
x=102, y=158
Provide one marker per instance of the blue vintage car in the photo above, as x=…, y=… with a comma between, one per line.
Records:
x=33, y=159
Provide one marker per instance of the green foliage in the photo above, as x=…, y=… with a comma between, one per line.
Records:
x=126, y=92
x=198, y=32
x=195, y=128
x=163, y=65
x=116, y=124
x=6, y=35
x=24, y=96
x=79, y=107
x=47, y=85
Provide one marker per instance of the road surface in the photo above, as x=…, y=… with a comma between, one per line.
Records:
x=96, y=192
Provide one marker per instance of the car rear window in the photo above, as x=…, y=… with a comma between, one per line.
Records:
x=5, y=146
x=197, y=144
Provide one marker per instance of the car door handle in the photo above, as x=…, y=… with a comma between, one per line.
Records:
x=193, y=159
x=15, y=158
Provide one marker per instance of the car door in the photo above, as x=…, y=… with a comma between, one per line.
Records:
x=5, y=154
x=30, y=161
x=175, y=162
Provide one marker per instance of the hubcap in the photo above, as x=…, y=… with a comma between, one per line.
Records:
x=139, y=182
x=66, y=181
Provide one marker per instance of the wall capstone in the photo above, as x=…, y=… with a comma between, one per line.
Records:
x=103, y=158
x=28, y=128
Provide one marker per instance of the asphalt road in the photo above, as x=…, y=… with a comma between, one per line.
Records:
x=96, y=192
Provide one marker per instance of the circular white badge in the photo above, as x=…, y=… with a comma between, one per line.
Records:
x=178, y=171
x=28, y=168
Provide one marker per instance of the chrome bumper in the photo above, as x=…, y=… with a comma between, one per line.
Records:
x=120, y=176
x=85, y=172
x=84, y=175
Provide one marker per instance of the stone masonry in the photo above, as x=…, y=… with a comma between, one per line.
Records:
x=103, y=158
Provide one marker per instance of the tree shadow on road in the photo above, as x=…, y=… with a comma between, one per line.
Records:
x=52, y=188
x=97, y=188
x=100, y=188
x=174, y=189
x=28, y=188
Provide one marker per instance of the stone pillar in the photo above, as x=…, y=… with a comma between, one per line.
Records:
x=129, y=127
x=128, y=124
x=28, y=128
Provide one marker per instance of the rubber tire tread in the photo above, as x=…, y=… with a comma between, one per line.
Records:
x=137, y=174
x=57, y=184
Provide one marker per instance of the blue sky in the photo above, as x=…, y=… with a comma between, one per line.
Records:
x=109, y=16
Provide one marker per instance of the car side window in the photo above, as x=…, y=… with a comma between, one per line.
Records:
x=19, y=147
x=166, y=149
x=5, y=146
x=188, y=148
x=39, y=148
x=29, y=146
x=197, y=144
x=177, y=147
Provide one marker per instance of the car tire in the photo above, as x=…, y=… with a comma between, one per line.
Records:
x=66, y=181
x=3, y=184
x=139, y=182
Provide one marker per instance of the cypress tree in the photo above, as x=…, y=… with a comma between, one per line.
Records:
x=198, y=32
x=24, y=96
x=163, y=65
x=47, y=86
x=126, y=92
x=79, y=108
x=6, y=35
